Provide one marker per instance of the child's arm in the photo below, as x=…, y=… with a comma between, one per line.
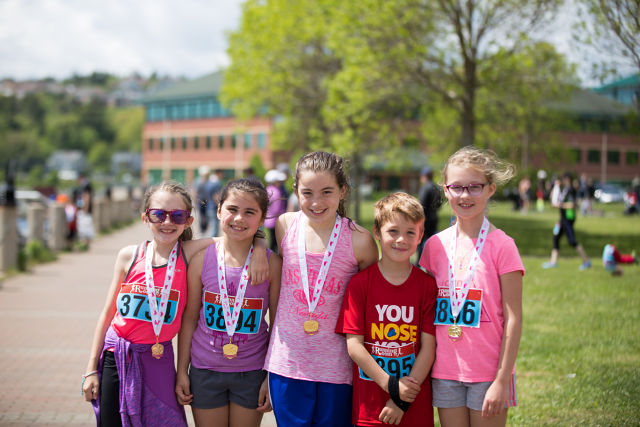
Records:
x=275, y=273
x=188, y=326
x=422, y=365
x=259, y=264
x=91, y=383
x=264, y=403
x=498, y=393
x=364, y=247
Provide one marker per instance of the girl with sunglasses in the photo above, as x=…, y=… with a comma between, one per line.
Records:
x=130, y=376
x=478, y=319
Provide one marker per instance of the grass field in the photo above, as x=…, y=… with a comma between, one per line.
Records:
x=579, y=358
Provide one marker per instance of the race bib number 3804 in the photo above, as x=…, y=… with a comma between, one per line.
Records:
x=132, y=303
x=248, y=319
x=395, y=361
x=469, y=313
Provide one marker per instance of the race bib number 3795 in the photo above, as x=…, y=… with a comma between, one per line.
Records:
x=395, y=361
x=132, y=303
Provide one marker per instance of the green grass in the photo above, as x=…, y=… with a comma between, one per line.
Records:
x=579, y=357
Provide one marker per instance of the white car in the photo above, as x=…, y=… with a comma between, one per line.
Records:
x=609, y=193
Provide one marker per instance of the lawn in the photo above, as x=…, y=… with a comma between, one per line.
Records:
x=579, y=358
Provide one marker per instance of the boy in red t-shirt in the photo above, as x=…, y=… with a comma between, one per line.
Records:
x=387, y=315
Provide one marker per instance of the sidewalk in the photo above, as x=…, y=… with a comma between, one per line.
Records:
x=47, y=319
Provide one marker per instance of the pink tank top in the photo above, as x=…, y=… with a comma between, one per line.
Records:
x=132, y=320
x=323, y=356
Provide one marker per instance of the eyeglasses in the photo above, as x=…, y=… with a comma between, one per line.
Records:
x=472, y=189
x=177, y=216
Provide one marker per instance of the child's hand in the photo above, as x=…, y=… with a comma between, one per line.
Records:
x=91, y=387
x=259, y=264
x=495, y=400
x=183, y=389
x=264, y=404
x=391, y=414
x=409, y=388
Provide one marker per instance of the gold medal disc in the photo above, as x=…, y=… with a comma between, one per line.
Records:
x=311, y=327
x=157, y=350
x=230, y=350
x=455, y=332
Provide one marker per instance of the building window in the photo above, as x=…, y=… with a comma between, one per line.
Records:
x=184, y=142
x=247, y=140
x=632, y=158
x=196, y=142
x=173, y=143
x=162, y=143
x=613, y=157
x=576, y=155
x=233, y=140
x=208, y=142
x=262, y=140
x=593, y=156
x=221, y=142
x=151, y=144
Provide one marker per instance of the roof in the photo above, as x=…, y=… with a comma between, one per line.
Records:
x=208, y=85
x=630, y=81
x=588, y=103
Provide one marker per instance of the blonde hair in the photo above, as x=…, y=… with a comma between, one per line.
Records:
x=495, y=170
x=397, y=203
x=171, y=187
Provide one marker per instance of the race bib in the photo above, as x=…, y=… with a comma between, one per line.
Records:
x=248, y=319
x=469, y=314
x=132, y=303
x=395, y=361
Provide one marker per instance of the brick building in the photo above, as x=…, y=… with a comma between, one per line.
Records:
x=186, y=127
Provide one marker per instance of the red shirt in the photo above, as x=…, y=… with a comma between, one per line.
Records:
x=391, y=319
x=132, y=320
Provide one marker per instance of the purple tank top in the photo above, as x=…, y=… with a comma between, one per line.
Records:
x=293, y=353
x=251, y=334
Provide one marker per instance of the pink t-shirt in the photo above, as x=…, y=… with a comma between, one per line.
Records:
x=292, y=353
x=474, y=357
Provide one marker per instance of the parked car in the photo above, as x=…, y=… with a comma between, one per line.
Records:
x=609, y=193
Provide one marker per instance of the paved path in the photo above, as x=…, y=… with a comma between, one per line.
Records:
x=47, y=318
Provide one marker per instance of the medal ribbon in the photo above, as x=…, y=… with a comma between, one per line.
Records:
x=231, y=318
x=455, y=299
x=157, y=313
x=326, y=260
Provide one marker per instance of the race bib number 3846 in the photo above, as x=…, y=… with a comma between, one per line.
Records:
x=395, y=361
x=132, y=303
x=469, y=313
x=248, y=319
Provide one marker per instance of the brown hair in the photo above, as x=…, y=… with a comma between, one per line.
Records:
x=319, y=162
x=397, y=203
x=486, y=162
x=171, y=187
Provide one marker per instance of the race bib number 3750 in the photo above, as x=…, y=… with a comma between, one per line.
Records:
x=248, y=319
x=132, y=303
x=395, y=361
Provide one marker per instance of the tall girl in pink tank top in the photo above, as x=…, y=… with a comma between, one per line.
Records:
x=130, y=375
x=224, y=335
x=309, y=367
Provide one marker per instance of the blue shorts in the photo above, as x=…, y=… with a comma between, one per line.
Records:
x=300, y=403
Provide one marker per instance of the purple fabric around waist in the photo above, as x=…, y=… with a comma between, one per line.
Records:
x=146, y=384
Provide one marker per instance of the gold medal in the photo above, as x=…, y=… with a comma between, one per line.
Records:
x=311, y=327
x=157, y=350
x=230, y=350
x=455, y=332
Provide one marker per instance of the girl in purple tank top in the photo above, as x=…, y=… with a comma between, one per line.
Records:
x=224, y=335
x=309, y=368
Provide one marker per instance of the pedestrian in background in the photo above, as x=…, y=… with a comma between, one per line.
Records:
x=430, y=199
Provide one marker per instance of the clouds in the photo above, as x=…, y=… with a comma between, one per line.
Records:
x=41, y=38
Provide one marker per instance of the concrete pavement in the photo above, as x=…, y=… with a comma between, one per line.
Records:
x=47, y=318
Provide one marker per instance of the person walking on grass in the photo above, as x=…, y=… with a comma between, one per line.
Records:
x=566, y=201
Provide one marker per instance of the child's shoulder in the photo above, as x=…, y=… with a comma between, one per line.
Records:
x=126, y=256
x=192, y=247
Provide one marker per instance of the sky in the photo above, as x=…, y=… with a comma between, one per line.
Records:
x=41, y=38
x=57, y=38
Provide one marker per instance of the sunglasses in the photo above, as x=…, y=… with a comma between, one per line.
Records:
x=177, y=216
x=472, y=189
